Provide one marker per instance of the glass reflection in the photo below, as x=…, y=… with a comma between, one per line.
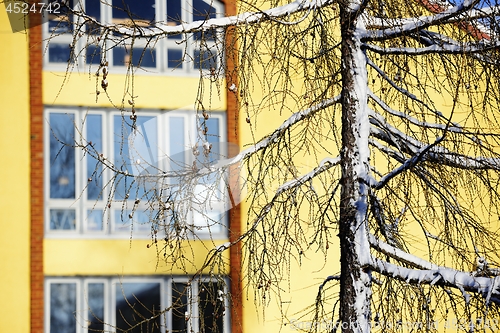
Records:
x=94, y=220
x=62, y=219
x=138, y=57
x=95, y=307
x=136, y=152
x=179, y=307
x=136, y=301
x=211, y=308
x=62, y=308
x=62, y=156
x=94, y=168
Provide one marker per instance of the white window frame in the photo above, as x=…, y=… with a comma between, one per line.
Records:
x=161, y=46
x=81, y=204
x=110, y=296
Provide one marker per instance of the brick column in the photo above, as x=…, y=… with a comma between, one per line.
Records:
x=235, y=213
x=37, y=200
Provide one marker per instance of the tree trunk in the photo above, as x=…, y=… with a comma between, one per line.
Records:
x=355, y=282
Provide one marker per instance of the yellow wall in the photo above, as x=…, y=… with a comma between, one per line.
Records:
x=69, y=257
x=14, y=180
x=151, y=91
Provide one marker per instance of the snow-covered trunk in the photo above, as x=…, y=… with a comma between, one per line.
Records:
x=355, y=292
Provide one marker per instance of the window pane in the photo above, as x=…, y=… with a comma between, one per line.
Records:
x=203, y=11
x=59, y=52
x=176, y=144
x=174, y=15
x=142, y=12
x=139, y=222
x=211, y=307
x=209, y=221
x=62, y=307
x=95, y=307
x=205, y=59
x=175, y=58
x=135, y=151
x=93, y=55
x=60, y=19
x=179, y=307
x=136, y=301
x=94, y=220
x=62, y=156
x=62, y=219
x=122, y=56
x=94, y=168
x=211, y=128
x=93, y=9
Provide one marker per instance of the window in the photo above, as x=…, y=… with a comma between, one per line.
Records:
x=81, y=305
x=180, y=53
x=82, y=197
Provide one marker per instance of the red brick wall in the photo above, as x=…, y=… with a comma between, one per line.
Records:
x=36, y=129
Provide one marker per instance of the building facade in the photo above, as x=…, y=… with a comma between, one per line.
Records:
x=83, y=254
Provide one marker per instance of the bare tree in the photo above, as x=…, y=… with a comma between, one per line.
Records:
x=393, y=103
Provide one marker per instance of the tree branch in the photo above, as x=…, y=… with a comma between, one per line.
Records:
x=443, y=276
x=163, y=29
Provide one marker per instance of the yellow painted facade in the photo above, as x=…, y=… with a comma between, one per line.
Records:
x=117, y=257
x=14, y=180
x=152, y=91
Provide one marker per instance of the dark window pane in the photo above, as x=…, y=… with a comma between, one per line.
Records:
x=123, y=56
x=203, y=11
x=179, y=307
x=60, y=18
x=135, y=151
x=205, y=59
x=62, y=156
x=93, y=55
x=93, y=9
x=96, y=307
x=142, y=12
x=59, y=52
x=211, y=307
x=62, y=219
x=134, y=303
x=94, y=168
x=174, y=16
x=62, y=308
x=175, y=58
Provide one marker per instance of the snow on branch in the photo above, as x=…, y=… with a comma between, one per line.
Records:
x=410, y=25
x=399, y=254
x=324, y=165
x=488, y=287
x=470, y=15
x=435, y=48
x=163, y=29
